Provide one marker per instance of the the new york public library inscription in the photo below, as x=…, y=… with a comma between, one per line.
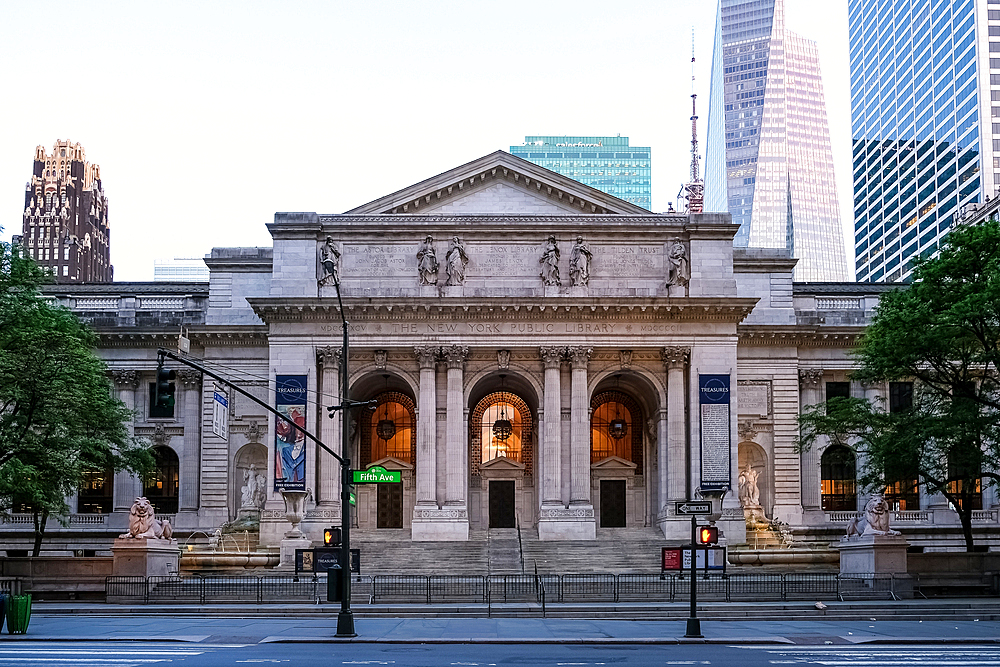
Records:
x=501, y=328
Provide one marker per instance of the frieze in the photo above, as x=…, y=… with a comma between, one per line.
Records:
x=272, y=514
x=562, y=513
x=440, y=514
x=316, y=513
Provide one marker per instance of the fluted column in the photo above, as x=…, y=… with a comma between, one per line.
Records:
x=126, y=485
x=811, y=393
x=579, y=410
x=673, y=471
x=191, y=456
x=551, y=441
x=426, y=426
x=455, y=482
x=327, y=467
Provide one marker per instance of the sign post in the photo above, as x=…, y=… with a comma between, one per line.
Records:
x=694, y=509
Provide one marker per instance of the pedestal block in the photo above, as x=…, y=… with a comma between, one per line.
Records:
x=144, y=557
x=873, y=554
x=448, y=524
x=561, y=523
x=288, y=547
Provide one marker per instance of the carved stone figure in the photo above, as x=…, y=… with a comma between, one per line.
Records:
x=550, y=262
x=427, y=263
x=678, y=268
x=249, y=491
x=749, y=492
x=579, y=263
x=503, y=359
x=142, y=522
x=455, y=262
x=874, y=522
x=329, y=262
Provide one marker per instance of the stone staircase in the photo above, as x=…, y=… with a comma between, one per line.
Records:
x=616, y=551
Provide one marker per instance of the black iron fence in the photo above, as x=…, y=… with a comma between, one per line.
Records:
x=512, y=588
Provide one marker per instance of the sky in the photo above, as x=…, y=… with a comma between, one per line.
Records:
x=208, y=117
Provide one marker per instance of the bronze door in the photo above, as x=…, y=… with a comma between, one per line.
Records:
x=390, y=505
x=612, y=503
x=502, y=504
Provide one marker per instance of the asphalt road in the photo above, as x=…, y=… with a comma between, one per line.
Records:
x=136, y=654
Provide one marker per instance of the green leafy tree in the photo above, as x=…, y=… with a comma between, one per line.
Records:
x=58, y=415
x=942, y=332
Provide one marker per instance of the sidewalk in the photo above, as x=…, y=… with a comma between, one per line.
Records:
x=108, y=623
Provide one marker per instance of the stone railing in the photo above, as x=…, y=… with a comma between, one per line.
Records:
x=74, y=520
x=984, y=516
x=87, y=519
x=911, y=515
x=841, y=517
x=19, y=518
x=837, y=303
x=161, y=303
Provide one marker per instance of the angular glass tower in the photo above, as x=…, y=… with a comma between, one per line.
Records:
x=768, y=155
x=606, y=163
x=921, y=83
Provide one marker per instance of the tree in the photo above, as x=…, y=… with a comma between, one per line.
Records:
x=58, y=415
x=942, y=332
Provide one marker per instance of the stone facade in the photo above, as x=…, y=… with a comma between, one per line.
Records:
x=567, y=410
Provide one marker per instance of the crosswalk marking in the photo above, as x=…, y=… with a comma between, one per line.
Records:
x=844, y=656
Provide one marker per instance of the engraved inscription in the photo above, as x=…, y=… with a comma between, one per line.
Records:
x=384, y=260
x=714, y=442
x=499, y=260
x=628, y=261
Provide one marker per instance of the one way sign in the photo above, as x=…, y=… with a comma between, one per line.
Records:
x=692, y=507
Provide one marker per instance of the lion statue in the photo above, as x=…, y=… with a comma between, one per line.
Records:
x=874, y=522
x=142, y=522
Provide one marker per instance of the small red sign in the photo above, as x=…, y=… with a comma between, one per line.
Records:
x=670, y=558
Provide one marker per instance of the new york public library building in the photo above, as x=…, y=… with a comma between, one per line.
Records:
x=543, y=356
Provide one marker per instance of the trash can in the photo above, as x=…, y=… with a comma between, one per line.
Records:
x=334, y=585
x=18, y=613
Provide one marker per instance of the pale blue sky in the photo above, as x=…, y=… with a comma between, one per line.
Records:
x=207, y=117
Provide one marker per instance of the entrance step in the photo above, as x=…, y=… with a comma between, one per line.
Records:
x=504, y=551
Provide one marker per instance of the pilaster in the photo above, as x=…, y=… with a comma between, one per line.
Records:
x=126, y=485
x=327, y=467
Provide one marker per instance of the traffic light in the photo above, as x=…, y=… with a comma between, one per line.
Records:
x=331, y=536
x=164, y=399
x=708, y=535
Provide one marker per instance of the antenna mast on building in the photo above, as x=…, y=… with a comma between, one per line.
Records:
x=695, y=189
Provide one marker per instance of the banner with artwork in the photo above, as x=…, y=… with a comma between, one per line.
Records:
x=290, y=442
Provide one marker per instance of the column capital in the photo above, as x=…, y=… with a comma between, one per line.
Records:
x=551, y=356
x=125, y=379
x=329, y=356
x=810, y=377
x=190, y=377
x=579, y=356
x=426, y=355
x=675, y=357
x=455, y=355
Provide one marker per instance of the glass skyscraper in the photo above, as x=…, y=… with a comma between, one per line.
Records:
x=921, y=85
x=768, y=155
x=606, y=163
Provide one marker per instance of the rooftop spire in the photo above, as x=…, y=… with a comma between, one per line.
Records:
x=695, y=188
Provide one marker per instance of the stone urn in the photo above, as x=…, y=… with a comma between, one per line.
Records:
x=295, y=510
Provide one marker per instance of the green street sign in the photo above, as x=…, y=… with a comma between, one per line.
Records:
x=377, y=475
x=354, y=500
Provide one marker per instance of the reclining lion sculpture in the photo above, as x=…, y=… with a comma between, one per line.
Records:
x=874, y=522
x=142, y=522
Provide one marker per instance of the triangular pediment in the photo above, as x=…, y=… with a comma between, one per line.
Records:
x=391, y=463
x=499, y=184
x=501, y=463
x=613, y=463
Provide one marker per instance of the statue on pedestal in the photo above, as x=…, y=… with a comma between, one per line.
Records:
x=142, y=522
x=874, y=522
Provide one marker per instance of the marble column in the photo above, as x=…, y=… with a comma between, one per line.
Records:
x=811, y=393
x=191, y=454
x=579, y=426
x=426, y=453
x=456, y=485
x=126, y=485
x=673, y=480
x=551, y=441
x=328, y=468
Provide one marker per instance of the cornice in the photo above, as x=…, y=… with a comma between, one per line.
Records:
x=223, y=336
x=722, y=309
x=802, y=336
x=123, y=289
x=838, y=289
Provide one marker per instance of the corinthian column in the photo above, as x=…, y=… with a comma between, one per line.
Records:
x=327, y=467
x=551, y=441
x=191, y=455
x=579, y=426
x=673, y=468
x=426, y=424
x=810, y=393
x=455, y=484
x=126, y=485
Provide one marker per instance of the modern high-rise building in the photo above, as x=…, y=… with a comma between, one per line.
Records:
x=922, y=83
x=65, y=226
x=608, y=164
x=180, y=270
x=768, y=156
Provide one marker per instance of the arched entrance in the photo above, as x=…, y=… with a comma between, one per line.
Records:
x=616, y=455
x=388, y=439
x=838, y=480
x=501, y=454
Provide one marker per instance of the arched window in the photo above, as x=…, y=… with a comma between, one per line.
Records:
x=96, y=492
x=969, y=489
x=161, y=486
x=389, y=429
x=902, y=490
x=616, y=428
x=839, y=485
x=489, y=440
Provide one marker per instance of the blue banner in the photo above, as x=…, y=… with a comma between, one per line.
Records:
x=290, y=442
x=713, y=389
